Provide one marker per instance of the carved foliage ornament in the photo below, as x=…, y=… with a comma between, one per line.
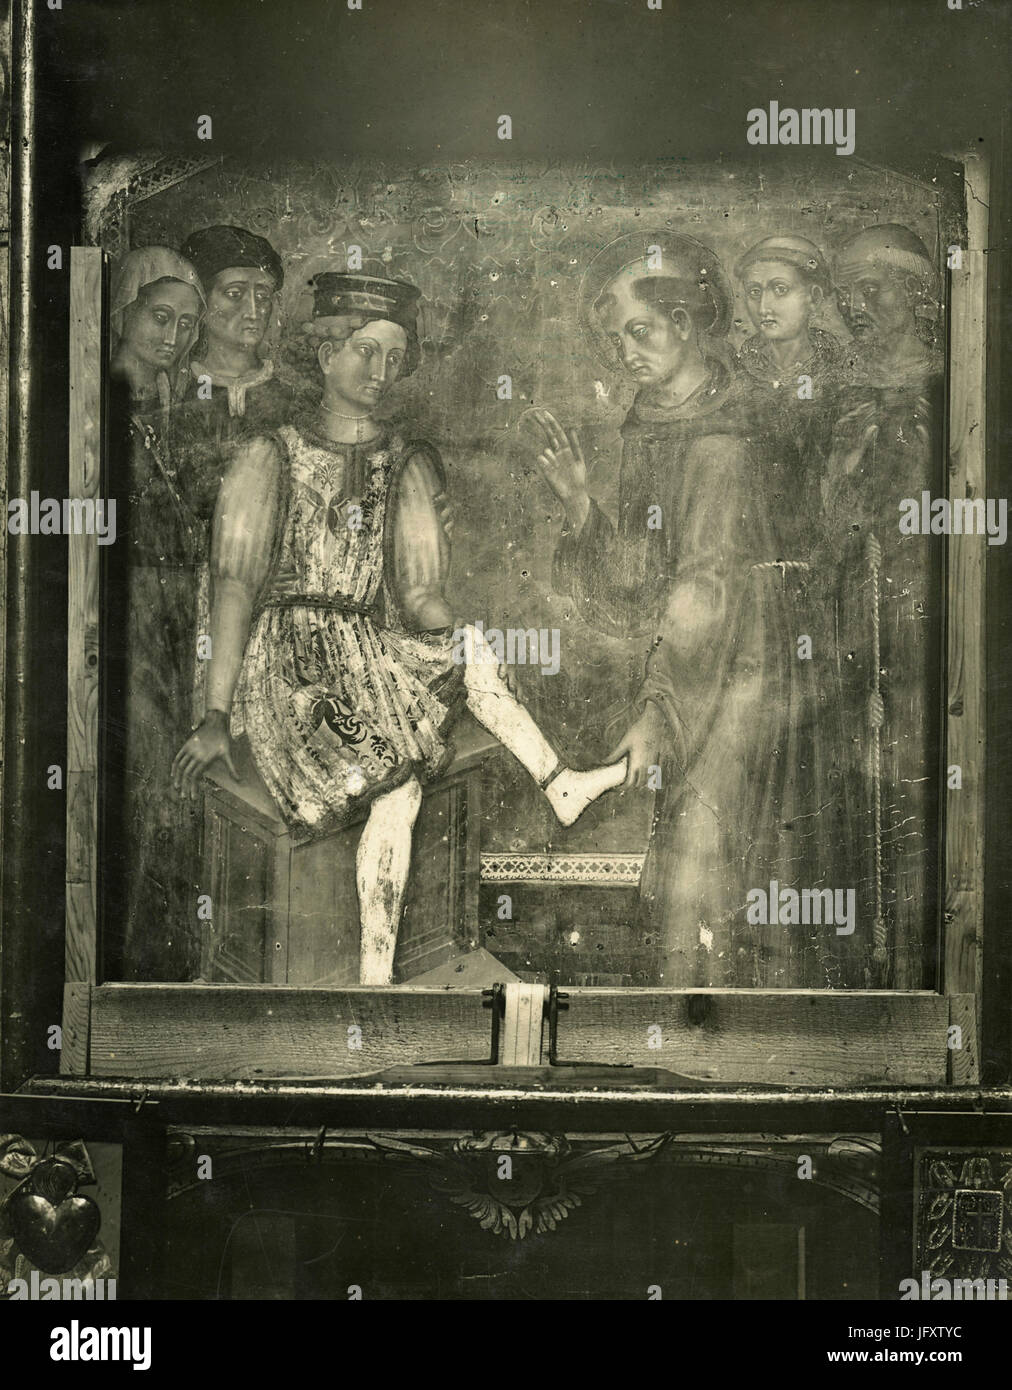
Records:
x=515, y=1183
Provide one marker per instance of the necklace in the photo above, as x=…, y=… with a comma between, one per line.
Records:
x=359, y=432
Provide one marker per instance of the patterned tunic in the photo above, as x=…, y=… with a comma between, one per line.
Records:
x=339, y=698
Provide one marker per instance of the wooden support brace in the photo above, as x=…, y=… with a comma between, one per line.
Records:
x=523, y=1025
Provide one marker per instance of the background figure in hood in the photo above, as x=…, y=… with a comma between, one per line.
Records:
x=791, y=370
x=155, y=306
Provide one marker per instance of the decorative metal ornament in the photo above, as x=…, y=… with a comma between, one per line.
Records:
x=51, y=1224
x=964, y=1221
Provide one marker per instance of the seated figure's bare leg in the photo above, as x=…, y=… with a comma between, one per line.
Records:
x=496, y=708
x=381, y=871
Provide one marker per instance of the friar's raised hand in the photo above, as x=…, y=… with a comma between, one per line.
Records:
x=562, y=464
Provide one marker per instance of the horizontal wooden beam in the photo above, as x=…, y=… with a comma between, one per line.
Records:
x=725, y=1037
x=244, y=1032
x=783, y=1037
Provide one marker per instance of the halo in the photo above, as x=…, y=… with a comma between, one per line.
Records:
x=624, y=252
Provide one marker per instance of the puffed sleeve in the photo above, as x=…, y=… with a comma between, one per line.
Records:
x=419, y=550
x=242, y=548
x=246, y=515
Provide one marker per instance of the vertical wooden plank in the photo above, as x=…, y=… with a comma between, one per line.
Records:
x=76, y=1025
x=277, y=930
x=966, y=686
x=523, y=1025
x=964, y=1061
x=472, y=811
x=4, y=371
x=84, y=481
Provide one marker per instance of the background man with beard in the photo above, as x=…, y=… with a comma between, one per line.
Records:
x=696, y=563
x=886, y=446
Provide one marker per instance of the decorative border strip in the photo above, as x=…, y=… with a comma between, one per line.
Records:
x=622, y=870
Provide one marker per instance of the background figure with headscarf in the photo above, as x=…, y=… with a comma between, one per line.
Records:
x=696, y=562
x=886, y=447
x=156, y=306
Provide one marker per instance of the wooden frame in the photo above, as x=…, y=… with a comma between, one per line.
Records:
x=791, y=1037
x=966, y=685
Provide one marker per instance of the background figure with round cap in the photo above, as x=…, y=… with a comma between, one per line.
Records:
x=157, y=303
x=242, y=275
x=887, y=447
x=695, y=562
x=232, y=390
x=333, y=642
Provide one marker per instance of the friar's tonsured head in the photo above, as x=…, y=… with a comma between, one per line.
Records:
x=650, y=299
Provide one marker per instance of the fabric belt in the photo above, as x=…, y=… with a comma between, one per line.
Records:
x=332, y=603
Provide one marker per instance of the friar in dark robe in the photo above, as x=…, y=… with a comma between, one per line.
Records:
x=727, y=707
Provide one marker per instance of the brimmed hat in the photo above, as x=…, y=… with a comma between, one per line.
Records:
x=342, y=301
x=336, y=294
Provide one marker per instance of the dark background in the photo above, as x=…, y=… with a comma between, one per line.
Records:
x=604, y=79
x=580, y=78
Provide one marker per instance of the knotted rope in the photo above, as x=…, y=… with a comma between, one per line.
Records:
x=876, y=718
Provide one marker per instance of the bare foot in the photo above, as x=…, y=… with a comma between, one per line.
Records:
x=570, y=793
